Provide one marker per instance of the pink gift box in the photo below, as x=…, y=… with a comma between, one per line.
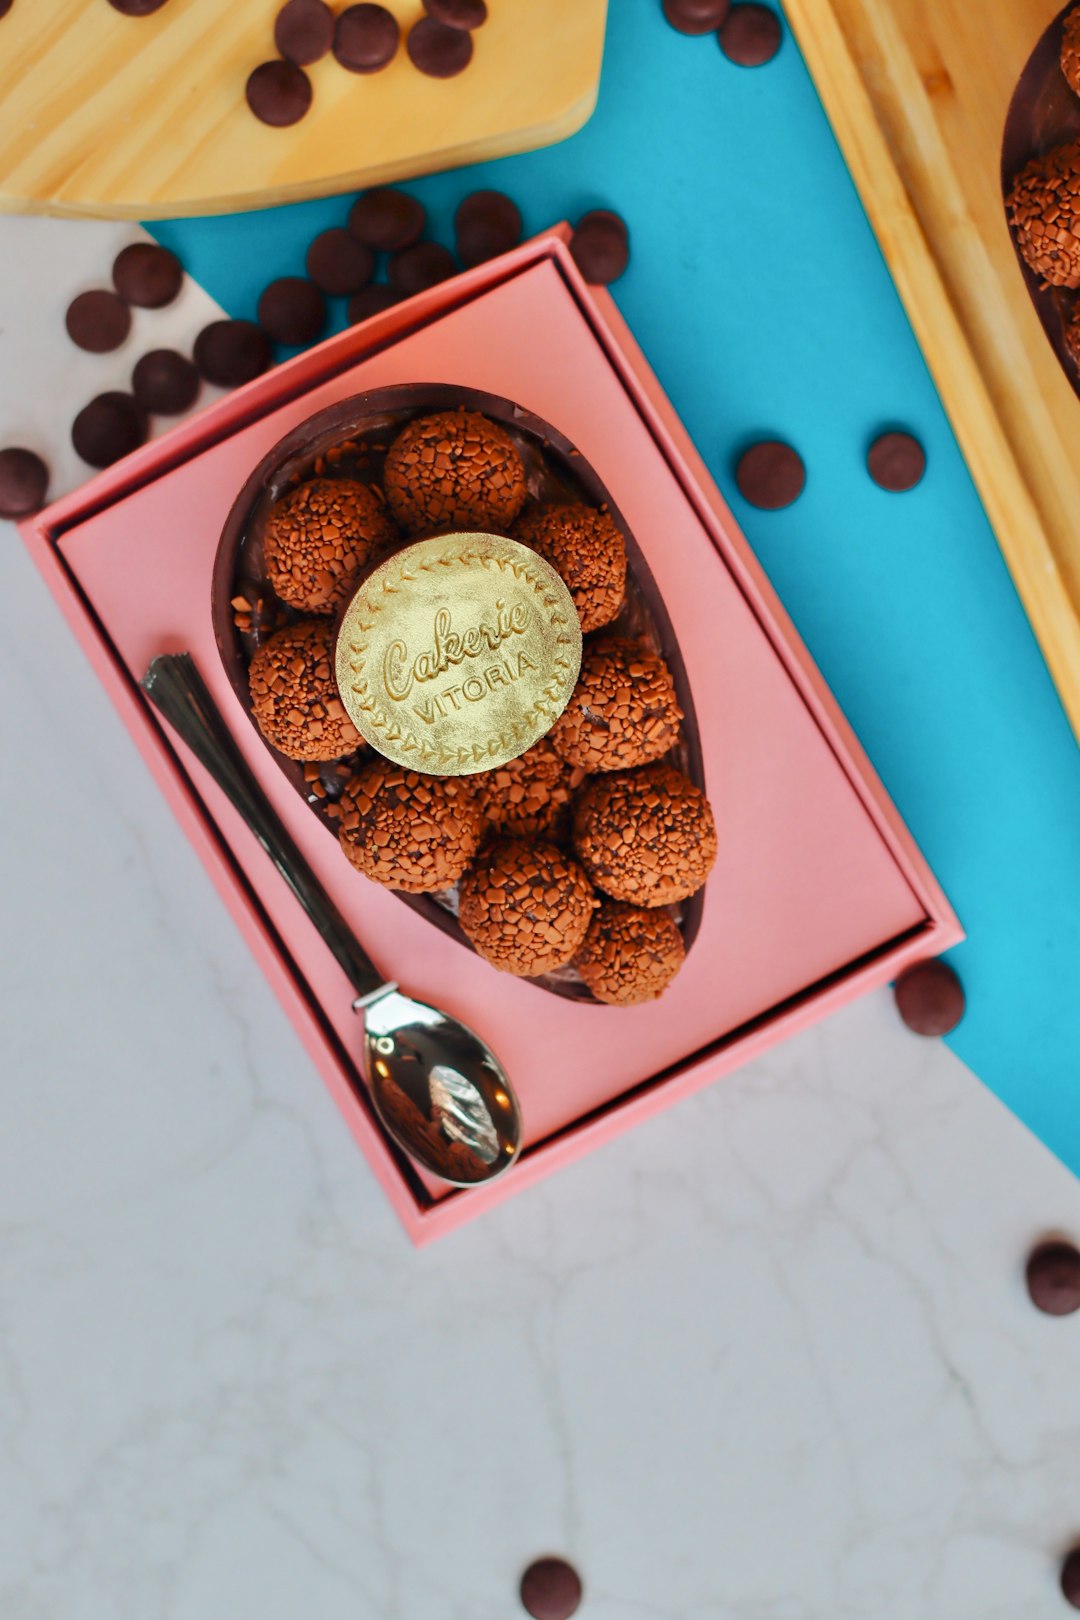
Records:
x=818, y=893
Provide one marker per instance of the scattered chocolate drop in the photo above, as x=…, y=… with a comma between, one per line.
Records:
x=165, y=383
x=111, y=426
x=770, y=475
x=98, y=321
x=551, y=1589
x=750, y=35
x=229, y=353
x=136, y=8
x=278, y=93
x=600, y=246
x=896, y=462
x=387, y=220
x=457, y=13
x=291, y=311
x=1053, y=1278
x=696, y=16
x=147, y=275
x=366, y=38
x=930, y=998
x=24, y=479
x=338, y=264
x=437, y=50
x=486, y=224
x=304, y=31
x=421, y=266
x=1070, y=1578
x=371, y=301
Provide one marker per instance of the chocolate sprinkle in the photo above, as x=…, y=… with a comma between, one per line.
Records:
x=229, y=353
x=896, y=462
x=304, y=31
x=136, y=8
x=387, y=220
x=696, y=16
x=600, y=246
x=486, y=224
x=437, y=50
x=750, y=35
x=165, y=382
x=291, y=311
x=338, y=264
x=371, y=301
x=278, y=93
x=1053, y=1278
x=147, y=275
x=366, y=38
x=24, y=479
x=457, y=13
x=98, y=321
x=421, y=266
x=770, y=475
x=1070, y=1578
x=551, y=1589
x=930, y=998
x=111, y=426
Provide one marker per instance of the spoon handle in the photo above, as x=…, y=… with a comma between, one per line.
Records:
x=175, y=687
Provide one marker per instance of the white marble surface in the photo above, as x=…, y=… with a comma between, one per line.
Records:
x=767, y=1358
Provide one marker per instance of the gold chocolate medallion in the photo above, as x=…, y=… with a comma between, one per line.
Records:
x=458, y=653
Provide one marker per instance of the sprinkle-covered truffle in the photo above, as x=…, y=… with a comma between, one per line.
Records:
x=294, y=697
x=623, y=710
x=587, y=549
x=409, y=831
x=1044, y=208
x=630, y=954
x=645, y=836
x=319, y=537
x=526, y=906
x=529, y=797
x=1070, y=50
x=454, y=470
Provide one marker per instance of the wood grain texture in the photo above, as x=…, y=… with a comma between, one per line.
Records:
x=145, y=118
x=917, y=92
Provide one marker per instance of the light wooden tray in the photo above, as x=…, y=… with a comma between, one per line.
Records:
x=917, y=92
x=145, y=118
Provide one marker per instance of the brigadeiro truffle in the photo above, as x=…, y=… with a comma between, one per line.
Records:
x=1070, y=50
x=408, y=831
x=319, y=537
x=1044, y=208
x=645, y=836
x=630, y=954
x=294, y=698
x=454, y=470
x=526, y=906
x=587, y=549
x=622, y=711
x=530, y=796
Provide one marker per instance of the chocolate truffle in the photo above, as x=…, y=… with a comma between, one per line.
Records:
x=1044, y=209
x=587, y=550
x=526, y=906
x=623, y=710
x=1053, y=1278
x=319, y=537
x=409, y=831
x=454, y=470
x=294, y=697
x=1070, y=50
x=529, y=797
x=645, y=836
x=630, y=955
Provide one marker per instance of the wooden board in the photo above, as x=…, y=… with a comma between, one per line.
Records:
x=145, y=118
x=917, y=92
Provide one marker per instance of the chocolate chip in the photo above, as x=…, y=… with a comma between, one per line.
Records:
x=770, y=475
x=304, y=31
x=750, y=35
x=147, y=275
x=551, y=1589
x=278, y=93
x=387, y=220
x=338, y=264
x=24, y=478
x=371, y=301
x=1070, y=1578
x=421, y=266
x=696, y=16
x=98, y=321
x=111, y=426
x=165, y=382
x=457, y=13
x=930, y=998
x=437, y=50
x=600, y=246
x=291, y=311
x=136, y=8
x=366, y=38
x=229, y=353
x=1053, y=1278
x=486, y=224
x=896, y=461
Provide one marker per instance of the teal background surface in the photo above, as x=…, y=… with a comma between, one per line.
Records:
x=759, y=295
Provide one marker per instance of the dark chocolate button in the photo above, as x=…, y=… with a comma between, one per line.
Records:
x=1053, y=1278
x=98, y=321
x=371, y=301
x=457, y=13
x=600, y=246
x=486, y=224
x=304, y=31
x=437, y=50
x=896, y=461
x=278, y=93
x=24, y=478
x=930, y=998
x=421, y=266
x=387, y=220
x=338, y=264
x=770, y=475
x=1070, y=1578
x=366, y=38
x=696, y=16
x=136, y=8
x=750, y=35
x=229, y=353
x=551, y=1589
x=165, y=382
x=147, y=275
x=5, y=7
x=291, y=311
x=111, y=426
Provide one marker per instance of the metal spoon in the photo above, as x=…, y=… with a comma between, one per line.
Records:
x=438, y=1089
